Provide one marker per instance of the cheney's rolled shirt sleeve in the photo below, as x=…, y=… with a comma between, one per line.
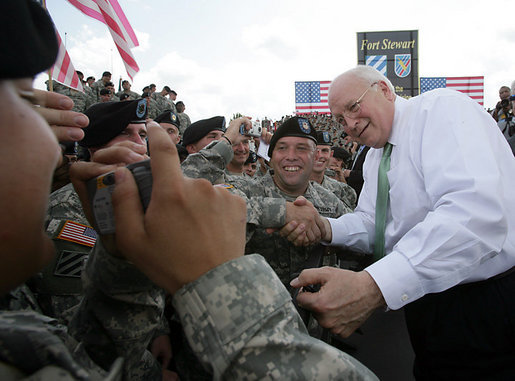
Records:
x=241, y=324
x=457, y=228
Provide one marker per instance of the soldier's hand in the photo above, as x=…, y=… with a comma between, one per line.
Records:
x=302, y=223
x=266, y=136
x=345, y=299
x=189, y=226
x=233, y=130
x=56, y=108
x=103, y=161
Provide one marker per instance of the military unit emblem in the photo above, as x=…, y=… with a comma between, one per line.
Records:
x=141, y=109
x=304, y=125
x=402, y=65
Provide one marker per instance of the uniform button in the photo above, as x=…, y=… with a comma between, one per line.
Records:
x=404, y=297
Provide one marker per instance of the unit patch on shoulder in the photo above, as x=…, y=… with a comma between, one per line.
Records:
x=78, y=233
x=224, y=185
x=70, y=264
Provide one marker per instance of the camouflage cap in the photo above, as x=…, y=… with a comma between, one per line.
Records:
x=296, y=126
x=107, y=120
x=168, y=117
x=324, y=138
x=201, y=128
x=29, y=45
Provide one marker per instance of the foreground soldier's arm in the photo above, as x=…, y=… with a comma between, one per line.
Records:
x=203, y=259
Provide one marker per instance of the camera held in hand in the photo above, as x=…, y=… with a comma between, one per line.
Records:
x=101, y=188
x=255, y=131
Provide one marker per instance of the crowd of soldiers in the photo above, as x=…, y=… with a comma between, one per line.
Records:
x=103, y=90
x=130, y=306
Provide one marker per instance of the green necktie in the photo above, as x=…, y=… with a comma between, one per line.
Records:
x=383, y=187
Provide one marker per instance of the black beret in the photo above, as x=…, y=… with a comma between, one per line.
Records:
x=324, y=138
x=341, y=153
x=29, y=43
x=107, y=120
x=201, y=128
x=124, y=96
x=181, y=151
x=252, y=158
x=105, y=92
x=296, y=126
x=168, y=117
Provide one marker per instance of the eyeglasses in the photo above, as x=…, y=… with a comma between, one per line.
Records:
x=354, y=109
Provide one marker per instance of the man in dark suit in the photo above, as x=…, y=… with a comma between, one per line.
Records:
x=354, y=176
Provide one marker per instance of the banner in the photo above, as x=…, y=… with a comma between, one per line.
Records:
x=395, y=55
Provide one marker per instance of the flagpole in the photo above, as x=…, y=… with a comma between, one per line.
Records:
x=50, y=82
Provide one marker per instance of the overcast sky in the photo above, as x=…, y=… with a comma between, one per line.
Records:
x=223, y=57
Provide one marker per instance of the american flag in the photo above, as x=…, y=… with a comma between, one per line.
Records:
x=311, y=97
x=78, y=233
x=63, y=70
x=110, y=13
x=472, y=86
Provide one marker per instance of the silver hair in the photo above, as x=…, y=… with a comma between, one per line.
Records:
x=370, y=75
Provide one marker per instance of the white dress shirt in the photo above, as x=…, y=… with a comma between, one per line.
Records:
x=451, y=216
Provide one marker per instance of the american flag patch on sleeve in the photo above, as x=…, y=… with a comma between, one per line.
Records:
x=78, y=233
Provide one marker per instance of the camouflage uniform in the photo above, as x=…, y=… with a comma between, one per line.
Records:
x=132, y=95
x=241, y=324
x=80, y=99
x=341, y=190
x=58, y=286
x=163, y=103
x=286, y=259
x=185, y=121
x=266, y=207
x=152, y=108
x=118, y=316
x=91, y=97
x=97, y=86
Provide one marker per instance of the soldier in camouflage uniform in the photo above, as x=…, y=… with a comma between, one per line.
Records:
x=127, y=90
x=121, y=307
x=292, y=152
x=58, y=287
x=270, y=197
x=163, y=103
x=101, y=84
x=341, y=190
x=183, y=117
x=152, y=107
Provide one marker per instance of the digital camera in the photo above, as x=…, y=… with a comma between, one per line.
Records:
x=101, y=188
